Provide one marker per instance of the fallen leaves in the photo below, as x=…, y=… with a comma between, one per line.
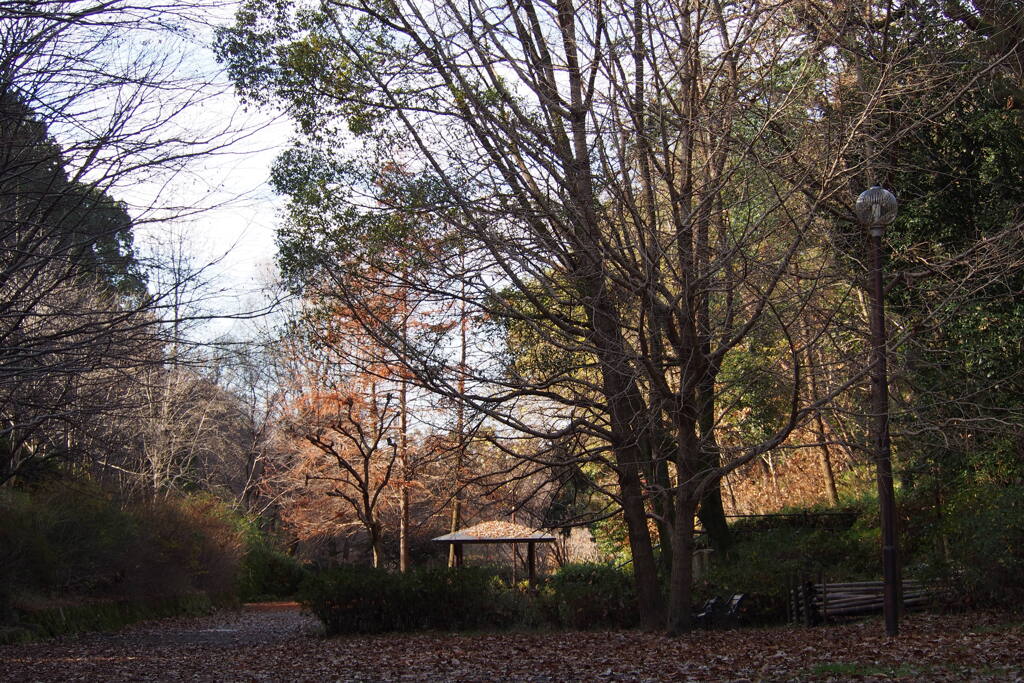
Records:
x=280, y=643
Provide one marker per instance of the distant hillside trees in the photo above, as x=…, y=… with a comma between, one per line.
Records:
x=96, y=103
x=75, y=323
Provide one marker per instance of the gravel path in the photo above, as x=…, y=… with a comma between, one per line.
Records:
x=178, y=648
x=253, y=625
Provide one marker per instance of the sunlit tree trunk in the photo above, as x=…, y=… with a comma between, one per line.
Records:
x=460, y=421
x=403, y=447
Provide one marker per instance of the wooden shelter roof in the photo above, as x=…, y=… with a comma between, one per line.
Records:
x=496, y=532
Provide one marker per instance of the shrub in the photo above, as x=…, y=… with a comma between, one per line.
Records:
x=592, y=596
x=64, y=540
x=191, y=544
x=352, y=599
x=984, y=546
x=765, y=561
x=78, y=540
x=73, y=557
x=266, y=572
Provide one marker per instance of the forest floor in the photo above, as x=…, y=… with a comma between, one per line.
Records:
x=278, y=642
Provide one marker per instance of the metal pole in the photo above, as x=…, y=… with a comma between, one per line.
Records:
x=880, y=410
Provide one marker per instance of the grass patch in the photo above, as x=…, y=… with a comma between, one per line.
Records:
x=1002, y=627
x=100, y=616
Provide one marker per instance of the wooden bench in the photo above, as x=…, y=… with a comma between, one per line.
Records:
x=810, y=603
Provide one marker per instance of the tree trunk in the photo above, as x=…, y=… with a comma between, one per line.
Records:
x=824, y=452
x=645, y=574
x=376, y=544
x=403, y=527
x=665, y=511
x=712, y=513
x=687, y=467
x=825, y=458
x=624, y=402
x=460, y=425
x=629, y=425
x=456, y=522
x=660, y=449
x=403, y=445
x=712, y=518
x=680, y=617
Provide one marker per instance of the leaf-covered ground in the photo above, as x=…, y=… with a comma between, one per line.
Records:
x=279, y=643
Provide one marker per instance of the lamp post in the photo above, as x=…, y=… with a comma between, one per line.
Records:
x=876, y=208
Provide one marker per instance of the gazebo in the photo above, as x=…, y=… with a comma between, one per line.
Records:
x=499, y=532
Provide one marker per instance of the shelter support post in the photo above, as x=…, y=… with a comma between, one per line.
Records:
x=531, y=559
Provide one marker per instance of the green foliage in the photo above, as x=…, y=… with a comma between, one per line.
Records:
x=978, y=547
x=588, y=595
x=753, y=385
x=612, y=539
x=81, y=542
x=102, y=231
x=961, y=186
x=72, y=222
x=354, y=599
x=972, y=543
x=276, y=50
x=64, y=541
x=75, y=558
x=266, y=572
x=765, y=560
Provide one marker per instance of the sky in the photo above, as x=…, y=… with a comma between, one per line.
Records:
x=232, y=239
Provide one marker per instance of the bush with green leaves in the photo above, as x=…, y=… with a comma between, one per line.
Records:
x=591, y=596
x=978, y=549
x=64, y=540
x=267, y=573
x=75, y=540
x=356, y=599
x=769, y=556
